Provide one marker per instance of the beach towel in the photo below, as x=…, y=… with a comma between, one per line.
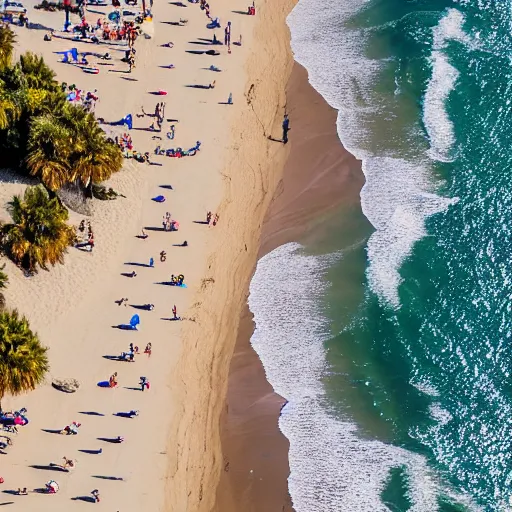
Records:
x=135, y=320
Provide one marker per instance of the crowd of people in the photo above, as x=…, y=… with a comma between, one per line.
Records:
x=128, y=32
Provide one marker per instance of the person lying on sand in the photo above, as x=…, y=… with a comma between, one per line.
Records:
x=68, y=463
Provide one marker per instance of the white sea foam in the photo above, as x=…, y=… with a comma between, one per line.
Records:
x=396, y=200
x=444, y=77
x=332, y=468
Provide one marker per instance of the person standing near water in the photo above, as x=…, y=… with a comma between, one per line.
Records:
x=286, y=128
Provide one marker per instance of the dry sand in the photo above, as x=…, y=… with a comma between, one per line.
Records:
x=171, y=457
x=319, y=176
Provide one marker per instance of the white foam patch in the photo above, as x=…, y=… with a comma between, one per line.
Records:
x=332, y=468
x=437, y=122
x=444, y=77
x=396, y=199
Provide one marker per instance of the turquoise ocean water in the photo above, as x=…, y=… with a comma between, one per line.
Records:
x=397, y=359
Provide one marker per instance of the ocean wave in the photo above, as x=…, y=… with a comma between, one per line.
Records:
x=442, y=82
x=331, y=467
x=399, y=192
x=397, y=197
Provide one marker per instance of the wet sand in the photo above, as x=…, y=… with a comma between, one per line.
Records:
x=319, y=176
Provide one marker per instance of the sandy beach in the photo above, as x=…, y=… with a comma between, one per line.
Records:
x=171, y=457
x=320, y=178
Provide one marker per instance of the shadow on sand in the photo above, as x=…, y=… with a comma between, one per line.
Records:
x=50, y=467
x=88, y=499
x=92, y=452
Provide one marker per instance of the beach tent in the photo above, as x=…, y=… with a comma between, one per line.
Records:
x=114, y=16
x=135, y=320
x=69, y=54
x=127, y=120
x=215, y=23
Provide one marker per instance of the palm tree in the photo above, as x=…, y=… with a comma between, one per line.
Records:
x=23, y=360
x=70, y=147
x=4, y=280
x=39, y=233
x=49, y=147
x=38, y=74
x=98, y=158
x=10, y=110
x=7, y=40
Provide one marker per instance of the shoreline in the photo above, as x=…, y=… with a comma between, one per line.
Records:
x=251, y=175
x=319, y=176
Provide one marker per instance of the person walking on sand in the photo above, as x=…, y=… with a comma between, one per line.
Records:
x=163, y=256
x=286, y=128
x=113, y=380
x=147, y=350
x=131, y=62
x=208, y=217
x=174, y=312
x=144, y=383
x=96, y=495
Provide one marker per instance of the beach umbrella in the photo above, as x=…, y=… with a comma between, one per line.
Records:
x=52, y=486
